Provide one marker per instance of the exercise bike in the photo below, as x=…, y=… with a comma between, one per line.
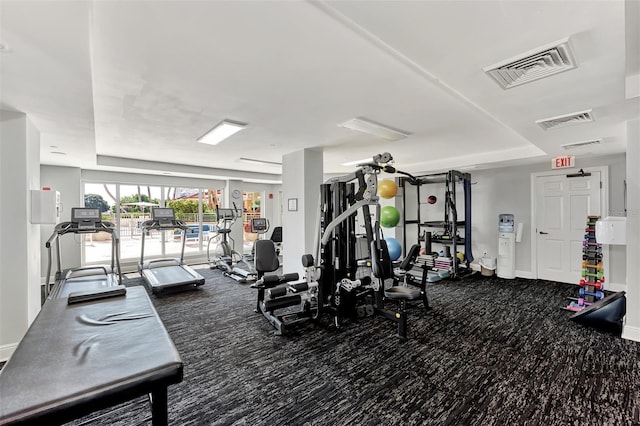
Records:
x=227, y=258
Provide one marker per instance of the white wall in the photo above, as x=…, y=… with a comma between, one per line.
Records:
x=508, y=190
x=632, y=321
x=65, y=180
x=19, y=245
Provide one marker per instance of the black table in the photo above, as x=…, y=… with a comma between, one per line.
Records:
x=79, y=358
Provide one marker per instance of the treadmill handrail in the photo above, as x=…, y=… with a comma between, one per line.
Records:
x=86, y=268
x=156, y=225
x=66, y=228
x=152, y=261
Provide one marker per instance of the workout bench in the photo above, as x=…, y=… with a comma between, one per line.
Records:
x=82, y=357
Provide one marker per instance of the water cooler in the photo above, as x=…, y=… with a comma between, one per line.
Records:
x=506, y=267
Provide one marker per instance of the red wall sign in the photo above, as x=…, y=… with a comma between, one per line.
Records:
x=563, y=162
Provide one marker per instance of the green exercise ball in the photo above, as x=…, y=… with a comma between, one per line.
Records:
x=389, y=216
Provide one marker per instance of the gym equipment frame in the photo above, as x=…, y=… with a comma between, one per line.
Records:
x=451, y=223
x=165, y=275
x=279, y=294
x=88, y=278
x=228, y=259
x=341, y=293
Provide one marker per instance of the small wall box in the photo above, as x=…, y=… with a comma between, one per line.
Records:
x=612, y=230
x=45, y=206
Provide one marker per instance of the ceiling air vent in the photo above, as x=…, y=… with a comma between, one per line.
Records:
x=566, y=120
x=538, y=63
x=581, y=144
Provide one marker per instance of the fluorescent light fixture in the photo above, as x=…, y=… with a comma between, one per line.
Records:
x=221, y=131
x=376, y=129
x=260, y=162
x=356, y=162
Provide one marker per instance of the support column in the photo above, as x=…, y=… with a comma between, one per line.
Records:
x=20, y=242
x=302, y=174
x=632, y=323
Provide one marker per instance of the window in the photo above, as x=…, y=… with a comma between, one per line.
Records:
x=128, y=206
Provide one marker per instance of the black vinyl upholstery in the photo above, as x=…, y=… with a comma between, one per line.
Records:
x=381, y=265
x=410, y=258
x=276, y=235
x=76, y=358
x=266, y=259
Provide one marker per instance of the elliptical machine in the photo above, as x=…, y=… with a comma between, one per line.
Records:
x=227, y=258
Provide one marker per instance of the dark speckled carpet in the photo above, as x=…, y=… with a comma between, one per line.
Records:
x=490, y=352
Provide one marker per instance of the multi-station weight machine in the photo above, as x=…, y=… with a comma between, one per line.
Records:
x=336, y=282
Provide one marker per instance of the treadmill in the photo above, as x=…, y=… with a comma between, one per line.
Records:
x=88, y=279
x=167, y=275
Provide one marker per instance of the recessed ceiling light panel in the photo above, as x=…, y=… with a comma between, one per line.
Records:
x=369, y=127
x=221, y=131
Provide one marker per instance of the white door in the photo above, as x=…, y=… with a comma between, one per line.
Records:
x=562, y=206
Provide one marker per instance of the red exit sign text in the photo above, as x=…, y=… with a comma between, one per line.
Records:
x=563, y=162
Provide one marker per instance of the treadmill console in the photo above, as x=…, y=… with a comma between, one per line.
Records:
x=163, y=215
x=84, y=218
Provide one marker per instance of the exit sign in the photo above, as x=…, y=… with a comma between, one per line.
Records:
x=563, y=162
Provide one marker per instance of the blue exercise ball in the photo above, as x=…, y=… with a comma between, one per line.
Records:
x=394, y=247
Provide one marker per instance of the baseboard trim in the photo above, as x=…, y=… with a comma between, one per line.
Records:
x=631, y=333
x=6, y=351
x=615, y=287
x=524, y=274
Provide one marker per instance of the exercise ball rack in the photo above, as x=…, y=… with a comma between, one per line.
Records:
x=447, y=231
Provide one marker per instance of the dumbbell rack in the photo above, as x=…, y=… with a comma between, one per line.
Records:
x=592, y=281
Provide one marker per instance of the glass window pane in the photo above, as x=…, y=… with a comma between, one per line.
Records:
x=136, y=202
x=185, y=202
x=97, y=247
x=210, y=199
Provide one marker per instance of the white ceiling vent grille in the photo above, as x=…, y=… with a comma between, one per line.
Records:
x=566, y=120
x=581, y=144
x=538, y=63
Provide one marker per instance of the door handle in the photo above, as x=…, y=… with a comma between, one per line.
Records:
x=544, y=233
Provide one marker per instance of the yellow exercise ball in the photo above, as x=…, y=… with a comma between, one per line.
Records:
x=387, y=189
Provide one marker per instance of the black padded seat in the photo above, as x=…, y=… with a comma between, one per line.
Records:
x=401, y=292
x=276, y=235
x=265, y=259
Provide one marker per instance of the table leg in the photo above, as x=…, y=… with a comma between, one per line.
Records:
x=159, y=407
